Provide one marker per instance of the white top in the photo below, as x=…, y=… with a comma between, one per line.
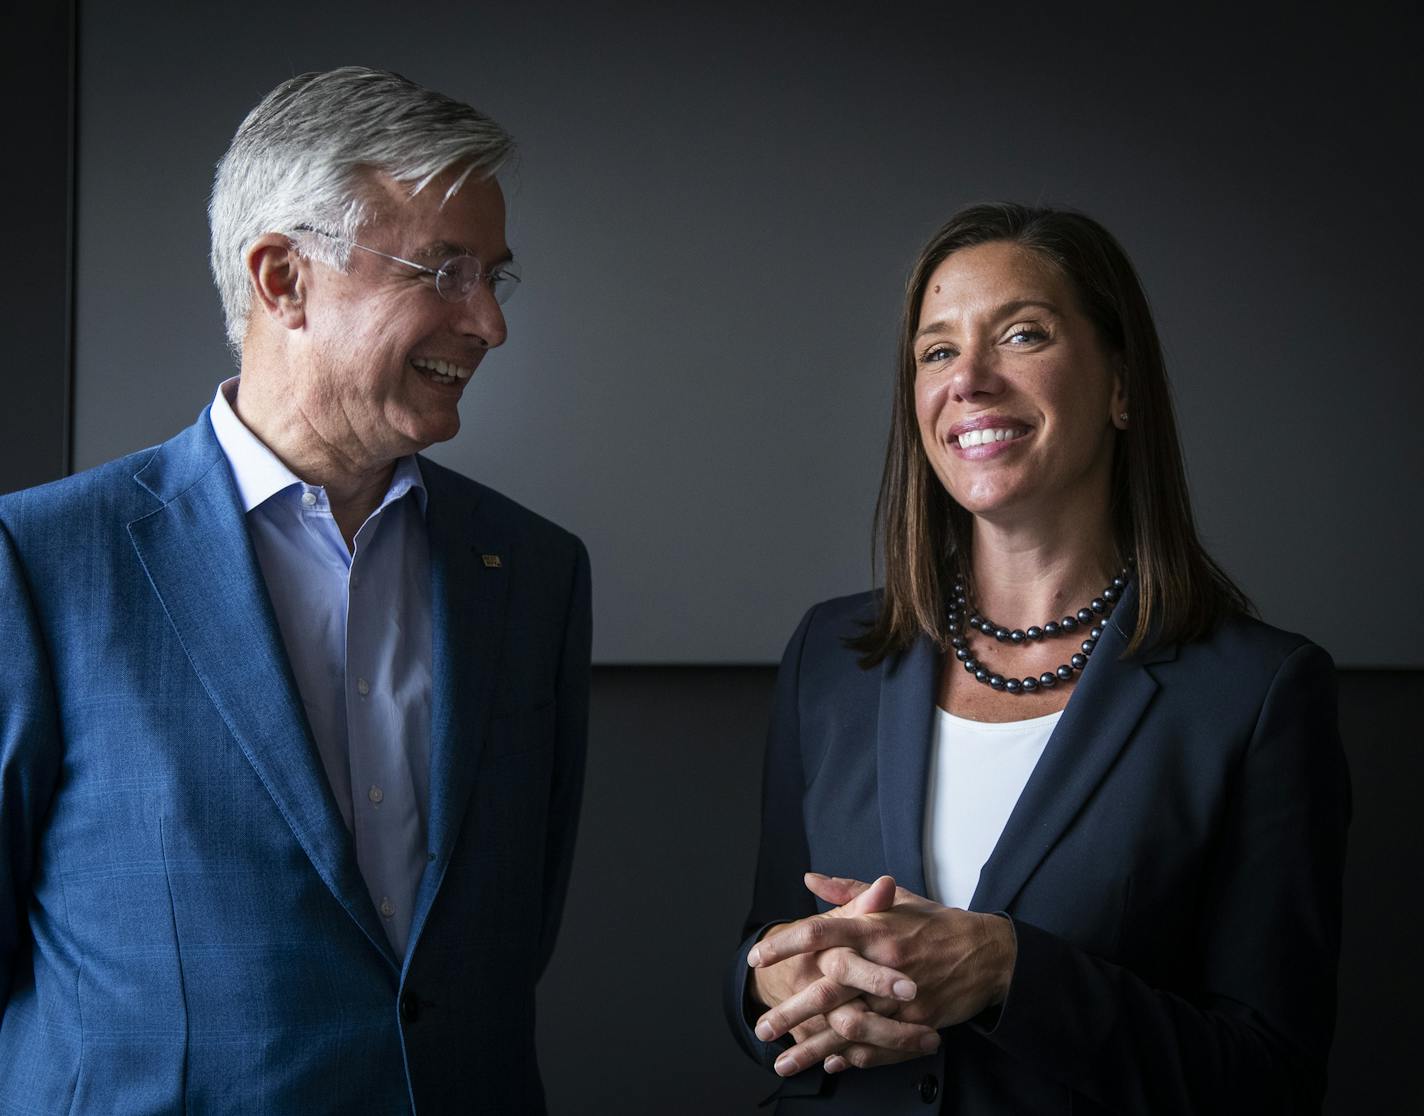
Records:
x=977, y=772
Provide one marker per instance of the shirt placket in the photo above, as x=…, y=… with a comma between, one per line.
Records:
x=379, y=794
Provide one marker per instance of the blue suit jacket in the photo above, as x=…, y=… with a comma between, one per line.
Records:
x=1172, y=870
x=182, y=922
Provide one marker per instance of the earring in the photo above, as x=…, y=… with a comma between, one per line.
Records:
x=1123, y=418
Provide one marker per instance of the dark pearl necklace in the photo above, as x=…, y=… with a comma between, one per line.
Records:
x=1097, y=610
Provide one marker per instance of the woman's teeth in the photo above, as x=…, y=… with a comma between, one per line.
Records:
x=992, y=434
x=442, y=371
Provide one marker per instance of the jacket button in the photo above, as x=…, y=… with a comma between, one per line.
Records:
x=410, y=1011
x=929, y=1088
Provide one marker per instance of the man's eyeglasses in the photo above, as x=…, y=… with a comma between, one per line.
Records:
x=456, y=278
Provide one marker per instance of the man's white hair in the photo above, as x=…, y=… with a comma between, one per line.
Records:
x=302, y=158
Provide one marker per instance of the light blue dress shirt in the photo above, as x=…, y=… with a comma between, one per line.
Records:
x=357, y=629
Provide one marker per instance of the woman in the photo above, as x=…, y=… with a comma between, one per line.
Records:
x=1110, y=805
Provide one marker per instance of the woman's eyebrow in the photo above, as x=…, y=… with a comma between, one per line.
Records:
x=1006, y=310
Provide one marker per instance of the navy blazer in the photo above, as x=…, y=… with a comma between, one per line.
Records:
x=1172, y=870
x=183, y=926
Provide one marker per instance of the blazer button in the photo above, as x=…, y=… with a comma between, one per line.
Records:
x=929, y=1088
x=410, y=1011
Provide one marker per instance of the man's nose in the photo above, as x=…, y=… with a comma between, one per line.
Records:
x=480, y=316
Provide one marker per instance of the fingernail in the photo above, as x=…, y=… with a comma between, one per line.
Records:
x=834, y=1064
x=754, y=957
x=786, y=1066
x=764, y=1031
x=904, y=990
x=930, y=1043
x=818, y=875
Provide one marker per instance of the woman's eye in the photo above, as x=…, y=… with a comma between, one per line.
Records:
x=1026, y=335
x=938, y=353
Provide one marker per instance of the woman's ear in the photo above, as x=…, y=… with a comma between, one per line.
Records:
x=1119, y=415
x=276, y=272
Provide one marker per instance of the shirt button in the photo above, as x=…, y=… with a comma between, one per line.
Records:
x=363, y=687
x=387, y=908
x=308, y=498
x=375, y=794
x=354, y=580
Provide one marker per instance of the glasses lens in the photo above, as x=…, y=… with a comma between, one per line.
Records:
x=505, y=281
x=455, y=280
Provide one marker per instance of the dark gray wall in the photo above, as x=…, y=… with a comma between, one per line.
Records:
x=717, y=204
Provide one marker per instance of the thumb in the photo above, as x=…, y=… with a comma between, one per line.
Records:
x=854, y=896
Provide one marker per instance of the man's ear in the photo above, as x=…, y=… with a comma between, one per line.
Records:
x=278, y=279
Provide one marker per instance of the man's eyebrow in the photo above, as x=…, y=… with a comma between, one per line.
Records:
x=1008, y=309
x=442, y=250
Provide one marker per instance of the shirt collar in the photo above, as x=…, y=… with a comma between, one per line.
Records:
x=259, y=472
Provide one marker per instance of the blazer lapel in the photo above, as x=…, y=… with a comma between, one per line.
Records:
x=903, y=735
x=470, y=566
x=199, y=558
x=1111, y=697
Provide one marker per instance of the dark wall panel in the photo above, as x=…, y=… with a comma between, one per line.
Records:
x=36, y=82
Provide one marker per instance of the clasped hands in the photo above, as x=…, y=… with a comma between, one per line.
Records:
x=873, y=980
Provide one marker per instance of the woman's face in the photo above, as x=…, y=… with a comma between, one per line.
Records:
x=1015, y=397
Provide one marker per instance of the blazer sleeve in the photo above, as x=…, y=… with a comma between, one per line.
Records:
x=783, y=856
x=571, y=744
x=29, y=755
x=1255, y=1037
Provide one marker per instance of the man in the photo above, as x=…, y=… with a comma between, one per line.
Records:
x=292, y=721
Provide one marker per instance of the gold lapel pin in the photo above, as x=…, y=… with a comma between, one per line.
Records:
x=491, y=561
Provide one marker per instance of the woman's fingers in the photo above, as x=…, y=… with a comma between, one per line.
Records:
x=835, y=1052
x=860, y=1056
x=844, y=975
x=817, y=998
x=812, y=935
x=853, y=896
x=804, y=1055
x=858, y=1025
x=847, y=967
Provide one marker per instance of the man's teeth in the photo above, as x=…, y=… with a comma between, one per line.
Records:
x=442, y=371
x=993, y=434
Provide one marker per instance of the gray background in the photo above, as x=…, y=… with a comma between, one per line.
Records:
x=716, y=206
x=629, y=1014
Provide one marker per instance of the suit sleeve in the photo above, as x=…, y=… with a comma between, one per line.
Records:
x=783, y=856
x=29, y=756
x=571, y=744
x=1254, y=1036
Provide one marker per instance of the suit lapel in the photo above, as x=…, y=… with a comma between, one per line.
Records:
x=903, y=735
x=470, y=567
x=199, y=559
x=1110, y=698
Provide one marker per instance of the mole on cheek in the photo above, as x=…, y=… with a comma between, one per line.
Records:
x=936, y=288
